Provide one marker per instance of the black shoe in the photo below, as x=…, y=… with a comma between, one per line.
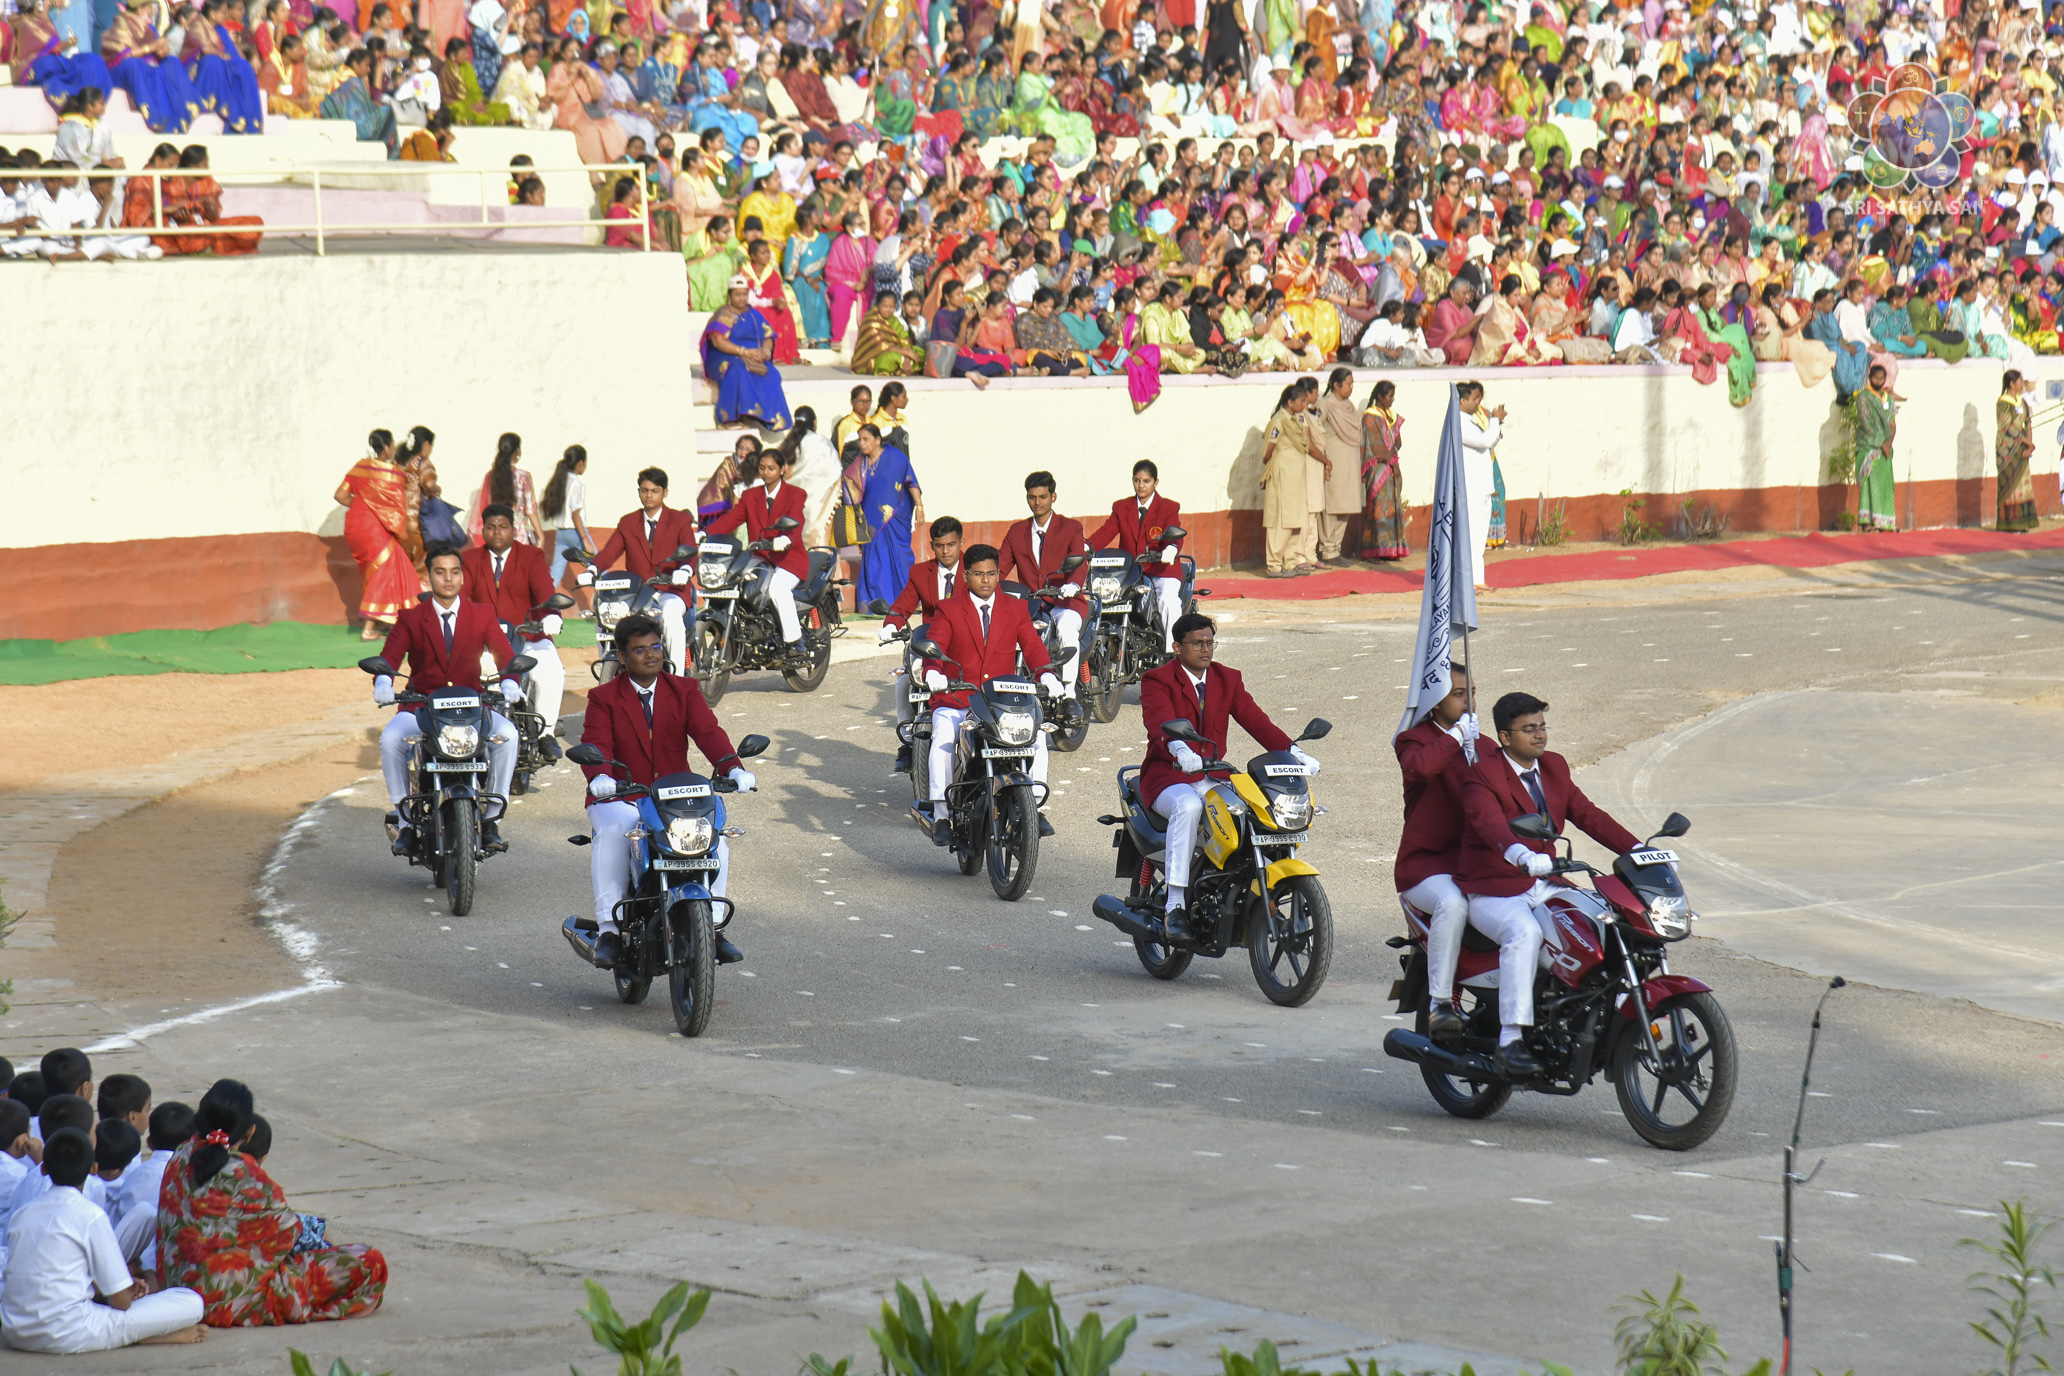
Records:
x=1443, y=1023
x=1045, y=827
x=491, y=838
x=902, y=760
x=608, y=950
x=405, y=841
x=549, y=748
x=1071, y=712
x=727, y=954
x=1175, y=923
x=1515, y=1062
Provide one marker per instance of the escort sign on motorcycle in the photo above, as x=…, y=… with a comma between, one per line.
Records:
x=619, y=594
x=737, y=629
x=1604, y=999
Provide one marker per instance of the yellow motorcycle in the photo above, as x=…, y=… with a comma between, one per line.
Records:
x=1247, y=885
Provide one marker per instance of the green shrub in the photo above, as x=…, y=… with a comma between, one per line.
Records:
x=300, y=1365
x=640, y=1345
x=2012, y=1322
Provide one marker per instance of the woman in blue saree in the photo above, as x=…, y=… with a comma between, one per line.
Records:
x=140, y=67
x=803, y=265
x=1852, y=359
x=713, y=105
x=889, y=495
x=657, y=80
x=227, y=84
x=40, y=49
x=1892, y=326
x=351, y=100
x=737, y=349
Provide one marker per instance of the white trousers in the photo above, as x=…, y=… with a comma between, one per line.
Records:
x=1182, y=804
x=1513, y=924
x=1476, y=474
x=90, y=1327
x=116, y=246
x=673, y=627
x=1169, y=592
x=402, y=733
x=1069, y=623
x=547, y=680
x=946, y=729
x=609, y=858
x=1447, y=910
x=781, y=591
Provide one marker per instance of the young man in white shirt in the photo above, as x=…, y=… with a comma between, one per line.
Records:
x=66, y=1287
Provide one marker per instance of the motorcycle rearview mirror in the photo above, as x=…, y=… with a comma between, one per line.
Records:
x=878, y=607
x=787, y=523
x=522, y=664
x=682, y=552
x=376, y=665
x=753, y=745
x=1179, y=731
x=928, y=647
x=586, y=754
x=1676, y=824
x=1317, y=729
x=1534, y=827
x=558, y=602
x=1173, y=532
x=1073, y=562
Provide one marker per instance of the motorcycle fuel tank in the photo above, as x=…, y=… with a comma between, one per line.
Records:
x=1222, y=810
x=1573, y=947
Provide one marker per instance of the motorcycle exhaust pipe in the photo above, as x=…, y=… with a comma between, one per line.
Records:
x=580, y=935
x=1410, y=1046
x=1114, y=911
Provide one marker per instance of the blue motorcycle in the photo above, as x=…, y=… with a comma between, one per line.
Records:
x=667, y=919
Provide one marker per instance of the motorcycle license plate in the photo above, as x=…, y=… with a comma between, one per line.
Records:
x=1653, y=857
x=454, y=767
x=990, y=752
x=1282, y=838
x=920, y=697
x=706, y=862
x=720, y=594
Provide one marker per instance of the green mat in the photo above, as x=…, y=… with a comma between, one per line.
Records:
x=247, y=649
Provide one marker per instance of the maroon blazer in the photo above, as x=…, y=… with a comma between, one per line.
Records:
x=1492, y=795
x=418, y=637
x=758, y=511
x=1433, y=763
x=627, y=542
x=958, y=629
x=1167, y=694
x=1132, y=537
x=616, y=726
x=1063, y=538
x=921, y=593
x=525, y=586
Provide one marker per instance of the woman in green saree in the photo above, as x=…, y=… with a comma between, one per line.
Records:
x=1741, y=364
x=1035, y=111
x=1932, y=330
x=1875, y=427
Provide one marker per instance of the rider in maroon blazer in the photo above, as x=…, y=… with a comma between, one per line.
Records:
x=1137, y=525
x=933, y=582
x=1504, y=875
x=1171, y=780
x=1032, y=551
x=757, y=509
x=645, y=540
x=1432, y=755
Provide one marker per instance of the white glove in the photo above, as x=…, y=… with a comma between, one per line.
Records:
x=383, y=691
x=552, y=625
x=886, y=634
x=935, y=680
x=601, y=786
x=512, y=690
x=1168, y=555
x=1532, y=861
x=1186, y=759
x=584, y=579
x=1307, y=761
x=1070, y=589
x=744, y=779
x=779, y=543
x=1466, y=724
x=680, y=578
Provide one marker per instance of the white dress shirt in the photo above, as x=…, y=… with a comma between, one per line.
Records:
x=61, y=1251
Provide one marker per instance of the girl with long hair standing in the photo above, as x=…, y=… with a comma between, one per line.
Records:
x=376, y=526
x=565, y=505
x=510, y=486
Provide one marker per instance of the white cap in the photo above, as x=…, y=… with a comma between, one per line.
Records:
x=2015, y=176
x=1481, y=249
x=1837, y=115
x=1496, y=177
x=1561, y=248
x=1615, y=182
x=1476, y=172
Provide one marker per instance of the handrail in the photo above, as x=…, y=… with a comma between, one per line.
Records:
x=322, y=229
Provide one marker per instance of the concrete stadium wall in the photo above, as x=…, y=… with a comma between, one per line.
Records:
x=180, y=427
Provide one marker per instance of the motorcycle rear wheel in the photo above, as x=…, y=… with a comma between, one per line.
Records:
x=605, y=669
x=1462, y=1098
x=705, y=651
x=461, y=838
x=692, y=973
x=1294, y=937
x=1014, y=843
x=809, y=679
x=1693, y=1023
x=1162, y=962
x=1069, y=738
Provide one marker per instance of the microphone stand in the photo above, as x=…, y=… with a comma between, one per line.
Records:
x=1792, y=1178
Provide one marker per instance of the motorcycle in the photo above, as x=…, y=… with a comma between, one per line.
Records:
x=667, y=917
x=725, y=639
x=1604, y=998
x=619, y=594
x=1071, y=722
x=1247, y=886
x=1129, y=635
x=991, y=808
x=917, y=732
x=444, y=803
x=536, y=747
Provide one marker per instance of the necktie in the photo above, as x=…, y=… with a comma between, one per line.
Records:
x=498, y=568
x=1199, y=686
x=1143, y=520
x=1038, y=544
x=651, y=527
x=1533, y=786
x=448, y=631
x=949, y=585
x=645, y=701
x=985, y=621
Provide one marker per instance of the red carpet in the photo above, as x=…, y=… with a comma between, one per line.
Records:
x=1792, y=552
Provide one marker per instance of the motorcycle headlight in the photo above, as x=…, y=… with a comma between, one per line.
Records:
x=457, y=742
x=1014, y=728
x=690, y=835
x=1291, y=810
x=1670, y=916
x=1107, y=586
x=711, y=573
x=610, y=611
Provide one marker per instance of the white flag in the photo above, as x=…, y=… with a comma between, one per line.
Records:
x=1447, y=603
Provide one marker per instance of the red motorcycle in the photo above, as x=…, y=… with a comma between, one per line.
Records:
x=1604, y=999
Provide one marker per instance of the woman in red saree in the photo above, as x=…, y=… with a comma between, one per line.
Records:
x=768, y=294
x=198, y=201
x=224, y=1230
x=376, y=491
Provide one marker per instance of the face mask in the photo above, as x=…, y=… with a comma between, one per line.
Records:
x=1622, y=135
x=422, y=64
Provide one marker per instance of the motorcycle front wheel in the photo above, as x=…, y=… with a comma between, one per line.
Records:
x=817, y=639
x=1464, y=1098
x=1013, y=843
x=605, y=669
x=1290, y=942
x=706, y=651
x=1106, y=683
x=692, y=970
x=1681, y=1101
x=461, y=841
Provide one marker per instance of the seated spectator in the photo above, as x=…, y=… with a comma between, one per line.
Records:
x=431, y=143
x=27, y=1090
x=116, y=1145
x=109, y=215
x=198, y=201
x=59, y=1111
x=127, y=1097
x=82, y=139
x=458, y=88
x=19, y=1154
x=883, y=347
x=136, y=1212
x=284, y=79
x=225, y=1229
x=737, y=346
x=521, y=90
x=624, y=230
x=353, y=100
x=67, y=1288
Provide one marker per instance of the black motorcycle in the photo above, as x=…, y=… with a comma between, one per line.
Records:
x=1129, y=635
x=736, y=629
x=991, y=807
x=668, y=918
x=620, y=594
x=443, y=809
x=537, y=748
x=1071, y=722
x=914, y=735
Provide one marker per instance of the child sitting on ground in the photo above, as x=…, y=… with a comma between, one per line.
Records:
x=27, y=1090
x=68, y=1071
x=136, y=1226
x=258, y=1146
x=60, y=1111
x=19, y=1154
x=116, y=1146
x=127, y=1097
x=66, y=1287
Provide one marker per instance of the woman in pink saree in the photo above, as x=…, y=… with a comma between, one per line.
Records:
x=573, y=86
x=1811, y=156
x=1706, y=355
x=1142, y=360
x=847, y=272
x=1275, y=103
x=1473, y=108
